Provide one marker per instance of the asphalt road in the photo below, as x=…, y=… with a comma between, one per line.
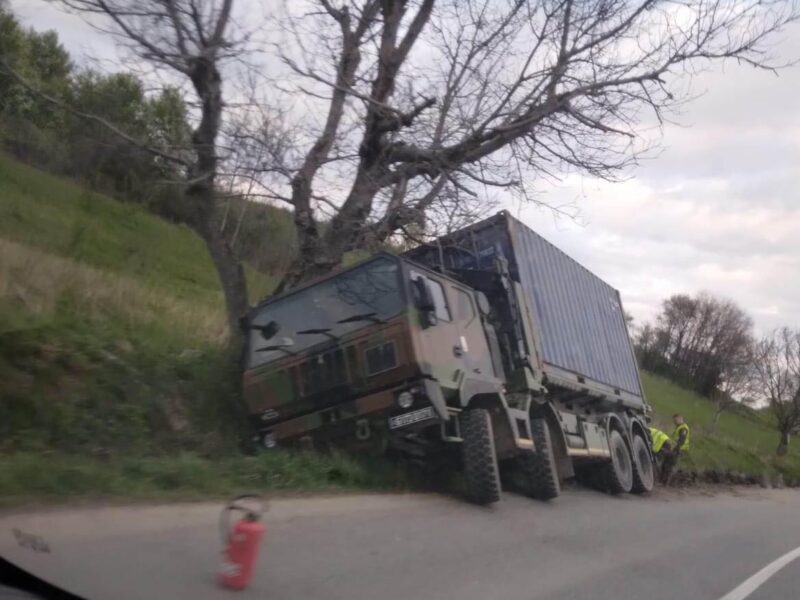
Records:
x=582, y=546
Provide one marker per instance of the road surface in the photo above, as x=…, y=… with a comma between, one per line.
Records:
x=585, y=545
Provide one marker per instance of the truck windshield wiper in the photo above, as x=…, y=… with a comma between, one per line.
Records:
x=362, y=317
x=321, y=331
x=281, y=347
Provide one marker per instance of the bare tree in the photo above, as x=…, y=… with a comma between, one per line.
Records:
x=644, y=343
x=776, y=364
x=411, y=104
x=701, y=341
x=190, y=39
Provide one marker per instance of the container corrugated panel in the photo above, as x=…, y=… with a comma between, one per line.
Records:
x=579, y=316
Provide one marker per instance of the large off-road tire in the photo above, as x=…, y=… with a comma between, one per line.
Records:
x=538, y=469
x=480, y=459
x=644, y=473
x=618, y=472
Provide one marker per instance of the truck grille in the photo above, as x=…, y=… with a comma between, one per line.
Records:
x=323, y=372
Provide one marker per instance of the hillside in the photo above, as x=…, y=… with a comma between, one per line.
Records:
x=104, y=313
x=112, y=347
x=115, y=377
x=745, y=441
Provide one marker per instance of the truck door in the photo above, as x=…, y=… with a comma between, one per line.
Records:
x=440, y=344
x=472, y=338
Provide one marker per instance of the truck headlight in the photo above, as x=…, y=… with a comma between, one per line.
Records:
x=405, y=399
x=269, y=440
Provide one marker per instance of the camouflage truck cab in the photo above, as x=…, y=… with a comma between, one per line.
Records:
x=386, y=349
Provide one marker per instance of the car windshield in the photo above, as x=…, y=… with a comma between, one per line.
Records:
x=363, y=296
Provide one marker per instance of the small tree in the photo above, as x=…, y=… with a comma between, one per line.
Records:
x=700, y=341
x=110, y=162
x=776, y=364
x=24, y=115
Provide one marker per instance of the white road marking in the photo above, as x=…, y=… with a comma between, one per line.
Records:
x=750, y=585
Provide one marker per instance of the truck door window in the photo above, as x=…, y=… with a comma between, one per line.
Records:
x=439, y=300
x=436, y=290
x=465, y=310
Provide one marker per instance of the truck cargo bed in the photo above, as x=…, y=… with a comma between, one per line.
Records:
x=578, y=318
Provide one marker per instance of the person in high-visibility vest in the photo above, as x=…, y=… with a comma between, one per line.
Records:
x=680, y=444
x=680, y=438
x=660, y=439
x=662, y=448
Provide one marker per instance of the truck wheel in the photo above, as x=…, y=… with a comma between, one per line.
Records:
x=618, y=472
x=538, y=469
x=644, y=476
x=480, y=460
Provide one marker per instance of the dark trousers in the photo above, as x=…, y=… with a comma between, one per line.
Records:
x=667, y=465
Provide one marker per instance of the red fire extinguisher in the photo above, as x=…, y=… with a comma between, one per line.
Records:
x=241, y=542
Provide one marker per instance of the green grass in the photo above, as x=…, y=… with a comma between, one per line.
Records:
x=744, y=442
x=64, y=219
x=26, y=476
x=112, y=331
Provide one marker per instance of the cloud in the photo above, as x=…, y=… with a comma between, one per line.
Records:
x=82, y=41
x=717, y=211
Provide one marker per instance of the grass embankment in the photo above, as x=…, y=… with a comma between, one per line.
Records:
x=744, y=442
x=114, y=376
x=34, y=478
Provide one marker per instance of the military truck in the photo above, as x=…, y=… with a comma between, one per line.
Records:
x=489, y=350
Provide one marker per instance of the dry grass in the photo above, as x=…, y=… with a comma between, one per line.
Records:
x=37, y=282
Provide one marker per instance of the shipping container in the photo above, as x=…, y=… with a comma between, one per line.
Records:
x=578, y=319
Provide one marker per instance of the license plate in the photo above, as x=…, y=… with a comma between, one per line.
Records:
x=416, y=416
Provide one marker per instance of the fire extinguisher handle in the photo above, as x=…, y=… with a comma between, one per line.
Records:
x=262, y=504
x=224, y=518
x=243, y=496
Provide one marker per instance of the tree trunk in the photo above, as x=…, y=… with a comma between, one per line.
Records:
x=318, y=257
x=312, y=260
x=783, y=445
x=231, y=278
x=201, y=192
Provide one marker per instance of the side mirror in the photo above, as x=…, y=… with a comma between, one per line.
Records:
x=422, y=295
x=269, y=330
x=423, y=300
x=483, y=303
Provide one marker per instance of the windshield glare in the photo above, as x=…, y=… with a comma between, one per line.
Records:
x=366, y=295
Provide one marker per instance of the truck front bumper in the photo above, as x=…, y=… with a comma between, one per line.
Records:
x=379, y=410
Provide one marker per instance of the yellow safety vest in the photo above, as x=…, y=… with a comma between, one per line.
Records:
x=676, y=436
x=658, y=437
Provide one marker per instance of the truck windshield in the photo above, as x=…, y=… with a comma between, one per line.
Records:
x=355, y=299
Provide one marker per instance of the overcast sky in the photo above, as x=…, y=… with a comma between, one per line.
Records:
x=717, y=210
